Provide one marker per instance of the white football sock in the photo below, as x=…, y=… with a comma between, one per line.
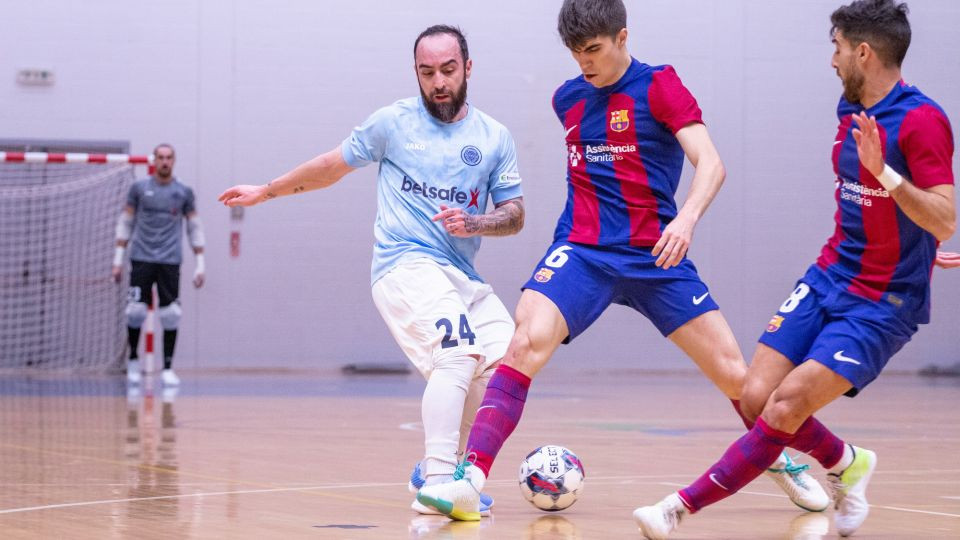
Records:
x=442, y=413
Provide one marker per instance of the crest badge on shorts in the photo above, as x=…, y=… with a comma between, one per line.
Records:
x=543, y=275
x=774, y=323
x=619, y=120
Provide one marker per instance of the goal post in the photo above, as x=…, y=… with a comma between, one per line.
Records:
x=59, y=306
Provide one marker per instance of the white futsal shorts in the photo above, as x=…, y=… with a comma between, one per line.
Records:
x=435, y=311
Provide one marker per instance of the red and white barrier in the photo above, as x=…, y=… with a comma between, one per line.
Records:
x=75, y=157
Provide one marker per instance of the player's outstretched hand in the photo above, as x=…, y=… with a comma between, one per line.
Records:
x=117, y=273
x=457, y=222
x=868, y=142
x=946, y=259
x=242, y=195
x=673, y=244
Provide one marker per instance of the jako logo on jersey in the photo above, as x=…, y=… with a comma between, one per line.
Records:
x=415, y=146
x=431, y=192
x=543, y=275
x=619, y=120
x=471, y=155
x=774, y=323
x=575, y=156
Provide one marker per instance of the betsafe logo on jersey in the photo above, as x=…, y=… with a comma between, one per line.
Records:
x=451, y=194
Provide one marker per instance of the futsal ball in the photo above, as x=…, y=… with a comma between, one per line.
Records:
x=551, y=478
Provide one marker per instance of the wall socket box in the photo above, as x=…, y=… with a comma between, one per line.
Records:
x=36, y=77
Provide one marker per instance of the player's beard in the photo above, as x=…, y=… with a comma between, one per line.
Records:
x=446, y=112
x=853, y=85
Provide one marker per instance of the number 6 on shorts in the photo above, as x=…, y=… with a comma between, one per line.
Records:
x=558, y=257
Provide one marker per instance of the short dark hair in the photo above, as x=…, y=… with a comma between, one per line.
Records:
x=583, y=20
x=445, y=29
x=164, y=145
x=882, y=24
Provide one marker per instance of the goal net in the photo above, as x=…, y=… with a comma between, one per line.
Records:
x=59, y=306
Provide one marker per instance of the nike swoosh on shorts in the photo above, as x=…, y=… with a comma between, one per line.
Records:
x=839, y=357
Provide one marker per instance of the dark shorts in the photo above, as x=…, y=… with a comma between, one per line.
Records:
x=143, y=275
x=583, y=280
x=851, y=335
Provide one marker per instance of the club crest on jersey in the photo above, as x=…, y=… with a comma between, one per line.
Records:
x=471, y=155
x=619, y=120
x=774, y=323
x=543, y=275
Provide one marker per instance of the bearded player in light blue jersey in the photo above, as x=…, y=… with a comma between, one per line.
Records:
x=440, y=159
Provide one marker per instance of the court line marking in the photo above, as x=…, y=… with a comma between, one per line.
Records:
x=181, y=496
x=929, y=512
x=181, y=474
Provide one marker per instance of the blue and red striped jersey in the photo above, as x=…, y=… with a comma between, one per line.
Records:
x=623, y=158
x=876, y=251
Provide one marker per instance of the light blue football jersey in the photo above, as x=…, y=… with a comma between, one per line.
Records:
x=425, y=163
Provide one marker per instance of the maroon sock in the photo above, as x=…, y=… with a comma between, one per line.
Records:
x=497, y=416
x=815, y=439
x=746, y=458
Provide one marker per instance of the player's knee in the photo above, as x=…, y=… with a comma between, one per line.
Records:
x=787, y=408
x=170, y=316
x=136, y=313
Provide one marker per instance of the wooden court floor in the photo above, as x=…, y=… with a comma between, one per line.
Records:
x=313, y=455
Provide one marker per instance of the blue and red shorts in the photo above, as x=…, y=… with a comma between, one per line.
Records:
x=853, y=336
x=582, y=280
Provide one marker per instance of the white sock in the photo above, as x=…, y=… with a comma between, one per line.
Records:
x=442, y=413
x=845, y=461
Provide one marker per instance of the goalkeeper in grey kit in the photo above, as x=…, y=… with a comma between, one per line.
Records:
x=151, y=224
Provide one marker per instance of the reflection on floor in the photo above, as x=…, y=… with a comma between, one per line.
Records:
x=307, y=455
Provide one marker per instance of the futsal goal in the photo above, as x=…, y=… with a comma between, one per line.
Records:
x=59, y=306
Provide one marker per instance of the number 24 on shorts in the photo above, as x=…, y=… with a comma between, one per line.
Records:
x=447, y=327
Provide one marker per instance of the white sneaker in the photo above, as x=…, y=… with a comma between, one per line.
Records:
x=417, y=481
x=658, y=521
x=803, y=489
x=850, y=491
x=133, y=372
x=169, y=378
x=459, y=499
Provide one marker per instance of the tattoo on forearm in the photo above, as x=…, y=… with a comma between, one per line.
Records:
x=269, y=194
x=298, y=189
x=505, y=220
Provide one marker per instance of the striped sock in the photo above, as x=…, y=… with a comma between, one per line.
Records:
x=746, y=458
x=815, y=439
x=497, y=416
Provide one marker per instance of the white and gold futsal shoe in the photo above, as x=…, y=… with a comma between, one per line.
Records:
x=803, y=489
